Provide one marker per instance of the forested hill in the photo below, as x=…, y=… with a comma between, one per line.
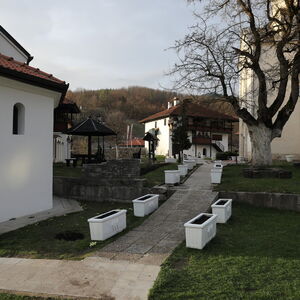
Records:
x=135, y=102
x=120, y=107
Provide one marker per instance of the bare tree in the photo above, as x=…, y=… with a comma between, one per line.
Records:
x=238, y=39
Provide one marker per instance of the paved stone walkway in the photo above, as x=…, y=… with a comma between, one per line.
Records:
x=126, y=268
x=61, y=207
x=163, y=231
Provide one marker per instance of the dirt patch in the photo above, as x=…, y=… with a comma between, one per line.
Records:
x=69, y=236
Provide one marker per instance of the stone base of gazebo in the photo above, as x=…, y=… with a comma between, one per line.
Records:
x=114, y=180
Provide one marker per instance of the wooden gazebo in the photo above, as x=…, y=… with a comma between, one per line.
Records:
x=90, y=128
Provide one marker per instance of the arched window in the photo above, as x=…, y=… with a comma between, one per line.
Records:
x=204, y=151
x=18, y=118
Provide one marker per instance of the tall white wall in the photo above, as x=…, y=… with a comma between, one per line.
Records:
x=61, y=149
x=9, y=49
x=163, y=135
x=25, y=160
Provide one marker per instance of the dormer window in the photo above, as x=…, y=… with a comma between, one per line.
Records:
x=18, y=119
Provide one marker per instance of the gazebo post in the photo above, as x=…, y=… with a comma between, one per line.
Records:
x=89, y=148
x=103, y=148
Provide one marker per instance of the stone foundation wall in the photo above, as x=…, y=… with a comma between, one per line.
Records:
x=115, y=180
x=271, y=200
x=124, y=153
x=123, y=168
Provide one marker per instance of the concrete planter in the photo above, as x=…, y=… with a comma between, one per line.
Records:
x=145, y=205
x=216, y=175
x=170, y=160
x=172, y=176
x=200, y=230
x=240, y=159
x=191, y=163
x=183, y=169
x=108, y=224
x=218, y=165
x=199, y=160
x=222, y=208
x=289, y=158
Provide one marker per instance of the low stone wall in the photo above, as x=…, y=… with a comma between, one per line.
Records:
x=115, y=180
x=123, y=153
x=271, y=200
x=123, y=168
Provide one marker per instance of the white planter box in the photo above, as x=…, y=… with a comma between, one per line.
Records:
x=199, y=160
x=170, y=160
x=183, y=169
x=108, y=224
x=200, y=230
x=191, y=163
x=172, y=176
x=222, y=208
x=216, y=175
x=145, y=205
x=240, y=159
x=289, y=158
x=218, y=165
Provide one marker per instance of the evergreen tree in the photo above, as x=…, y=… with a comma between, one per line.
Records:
x=180, y=137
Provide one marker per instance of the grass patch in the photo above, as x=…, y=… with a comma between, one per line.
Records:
x=60, y=169
x=38, y=240
x=158, y=176
x=233, y=180
x=255, y=256
x=160, y=158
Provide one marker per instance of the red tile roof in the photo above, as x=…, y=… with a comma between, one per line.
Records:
x=192, y=110
x=135, y=142
x=10, y=64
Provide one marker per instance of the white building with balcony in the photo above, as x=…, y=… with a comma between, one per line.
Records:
x=209, y=131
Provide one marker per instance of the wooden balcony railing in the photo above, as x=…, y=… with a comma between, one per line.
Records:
x=210, y=129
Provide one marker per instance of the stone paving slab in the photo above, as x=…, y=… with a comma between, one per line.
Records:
x=98, y=278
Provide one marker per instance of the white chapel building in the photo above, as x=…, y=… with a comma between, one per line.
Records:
x=28, y=97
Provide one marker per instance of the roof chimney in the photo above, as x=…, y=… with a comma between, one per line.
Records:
x=170, y=104
x=176, y=101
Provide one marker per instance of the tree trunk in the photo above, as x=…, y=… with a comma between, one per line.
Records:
x=261, y=138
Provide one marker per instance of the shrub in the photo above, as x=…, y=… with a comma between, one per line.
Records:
x=225, y=155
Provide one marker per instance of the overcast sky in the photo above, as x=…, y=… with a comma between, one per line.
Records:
x=100, y=43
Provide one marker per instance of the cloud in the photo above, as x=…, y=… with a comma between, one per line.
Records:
x=99, y=44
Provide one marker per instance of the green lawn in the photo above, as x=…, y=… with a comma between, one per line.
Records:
x=38, y=240
x=255, y=256
x=158, y=176
x=60, y=169
x=233, y=180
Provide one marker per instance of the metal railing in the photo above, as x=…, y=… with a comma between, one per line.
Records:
x=220, y=145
